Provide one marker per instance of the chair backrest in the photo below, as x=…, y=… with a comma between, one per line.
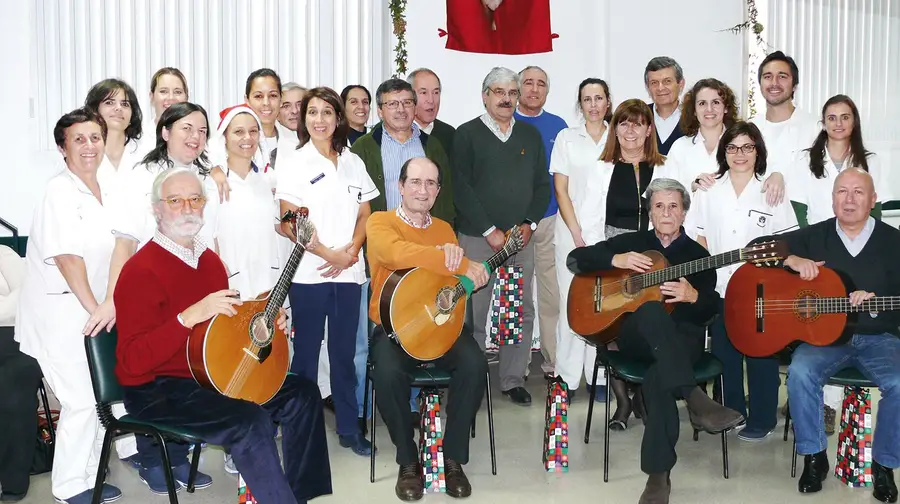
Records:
x=101, y=356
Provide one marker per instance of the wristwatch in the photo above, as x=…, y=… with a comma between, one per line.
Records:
x=530, y=224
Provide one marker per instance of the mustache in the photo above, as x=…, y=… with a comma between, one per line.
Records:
x=505, y=104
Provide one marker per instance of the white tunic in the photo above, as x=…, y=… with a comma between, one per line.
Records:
x=333, y=197
x=815, y=193
x=133, y=210
x=132, y=156
x=248, y=243
x=730, y=222
x=785, y=140
x=69, y=221
x=688, y=158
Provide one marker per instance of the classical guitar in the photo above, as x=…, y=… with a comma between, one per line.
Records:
x=598, y=301
x=422, y=311
x=768, y=309
x=246, y=356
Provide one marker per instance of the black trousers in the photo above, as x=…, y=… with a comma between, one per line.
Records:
x=467, y=366
x=20, y=376
x=246, y=430
x=650, y=335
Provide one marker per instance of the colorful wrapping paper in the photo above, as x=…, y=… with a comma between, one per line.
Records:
x=431, y=441
x=854, y=456
x=507, y=313
x=244, y=494
x=556, y=431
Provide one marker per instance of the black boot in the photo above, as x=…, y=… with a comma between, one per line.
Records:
x=708, y=415
x=815, y=469
x=657, y=489
x=619, y=421
x=885, y=488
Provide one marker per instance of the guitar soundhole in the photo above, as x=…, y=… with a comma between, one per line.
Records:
x=805, y=306
x=444, y=300
x=260, y=335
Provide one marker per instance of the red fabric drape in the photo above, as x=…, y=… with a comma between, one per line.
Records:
x=516, y=27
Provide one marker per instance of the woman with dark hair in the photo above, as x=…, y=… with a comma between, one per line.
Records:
x=356, y=99
x=579, y=177
x=728, y=216
x=333, y=184
x=65, y=297
x=263, y=94
x=116, y=102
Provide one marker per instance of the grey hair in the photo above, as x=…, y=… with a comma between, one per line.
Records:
x=290, y=86
x=156, y=196
x=411, y=78
x=660, y=62
x=499, y=75
x=534, y=67
x=667, y=184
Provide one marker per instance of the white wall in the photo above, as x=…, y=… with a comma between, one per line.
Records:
x=612, y=40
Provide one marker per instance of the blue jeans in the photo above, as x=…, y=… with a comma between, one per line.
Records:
x=762, y=379
x=878, y=359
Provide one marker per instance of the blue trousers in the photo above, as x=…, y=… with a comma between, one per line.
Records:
x=339, y=302
x=762, y=379
x=246, y=430
x=878, y=359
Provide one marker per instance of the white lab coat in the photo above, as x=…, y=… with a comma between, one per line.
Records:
x=69, y=220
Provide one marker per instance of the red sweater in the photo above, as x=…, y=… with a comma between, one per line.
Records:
x=153, y=288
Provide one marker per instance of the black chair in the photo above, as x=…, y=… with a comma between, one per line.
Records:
x=847, y=377
x=427, y=376
x=707, y=369
x=101, y=354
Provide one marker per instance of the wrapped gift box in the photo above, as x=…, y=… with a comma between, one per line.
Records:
x=556, y=431
x=854, y=455
x=507, y=313
x=431, y=441
x=244, y=494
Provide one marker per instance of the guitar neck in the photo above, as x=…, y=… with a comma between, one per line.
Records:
x=280, y=291
x=689, y=268
x=842, y=305
x=492, y=263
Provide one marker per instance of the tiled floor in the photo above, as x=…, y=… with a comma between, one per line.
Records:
x=759, y=473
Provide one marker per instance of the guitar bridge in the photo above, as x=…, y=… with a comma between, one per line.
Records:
x=760, y=304
x=598, y=286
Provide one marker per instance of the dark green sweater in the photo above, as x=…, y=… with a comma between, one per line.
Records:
x=368, y=147
x=445, y=133
x=498, y=183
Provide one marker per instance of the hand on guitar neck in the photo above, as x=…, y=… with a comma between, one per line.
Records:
x=497, y=239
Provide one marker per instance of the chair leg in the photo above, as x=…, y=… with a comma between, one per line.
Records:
x=724, y=433
x=490, y=412
x=195, y=466
x=794, y=460
x=606, y=428
x=47, y=414
x=372, y=430
x=587, y=427
x=787, y=421
x=104, y=463
x=167, y=468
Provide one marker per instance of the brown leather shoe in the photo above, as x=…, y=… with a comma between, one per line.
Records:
x=710, y=416
x=458, y=485
x=410, y=483
x=657, y=489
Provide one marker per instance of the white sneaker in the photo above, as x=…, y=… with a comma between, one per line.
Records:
x=229, y=465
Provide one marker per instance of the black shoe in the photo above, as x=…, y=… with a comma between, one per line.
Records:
x=458, y=485
x=885, y=488
x=11, y=496
x=518, y=395
x=815, y=469
x=410, y=483
x=619, y=421
x=657, y=489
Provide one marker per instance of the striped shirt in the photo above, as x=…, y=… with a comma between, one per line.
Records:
x=393, y=155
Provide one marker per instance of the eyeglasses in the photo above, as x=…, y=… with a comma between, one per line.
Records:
x=746, y=148
x=512, y=94
x=393, y=104
x=196, y=202
x=417, y=184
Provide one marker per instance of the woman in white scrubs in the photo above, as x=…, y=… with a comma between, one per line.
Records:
x=728, y=216
x=578, y=177
x=168, y=86
x=263, y=94
x=67, y=271
x=838, y=146
x=116, y=102
x=332, y=182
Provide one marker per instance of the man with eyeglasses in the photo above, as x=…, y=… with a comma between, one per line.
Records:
x=169, y=286
x=409, y=237
x=500, y=176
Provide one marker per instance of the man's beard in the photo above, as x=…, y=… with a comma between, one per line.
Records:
x=183, y=226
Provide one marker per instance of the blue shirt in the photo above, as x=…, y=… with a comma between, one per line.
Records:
x=549, y=125
x=393, y=155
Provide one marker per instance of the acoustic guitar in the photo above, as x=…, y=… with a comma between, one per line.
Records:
x=598, y=301
x=421, y=310
x=768, y=309
x=246, y=356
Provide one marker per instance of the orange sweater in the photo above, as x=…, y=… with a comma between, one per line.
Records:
x=392, y=244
